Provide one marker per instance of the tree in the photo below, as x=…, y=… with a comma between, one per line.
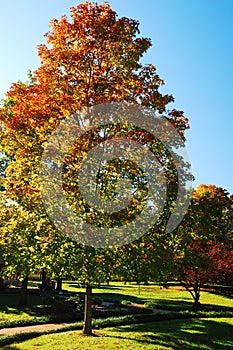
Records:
x=92, y=59
x=20, y=249
x=204, y=240
x=204, y=262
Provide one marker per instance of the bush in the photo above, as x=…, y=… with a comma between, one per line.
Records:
x=151, y=305
x=120, y=311
x=97, y=301
x=126, y=302
x=76, y=301
x=47, y=299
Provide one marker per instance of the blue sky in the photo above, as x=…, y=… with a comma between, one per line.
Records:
x=192, y=50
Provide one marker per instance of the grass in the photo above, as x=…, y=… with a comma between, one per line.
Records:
x=205, y=331
x=174, y=297
x=211, y=334
x=9, y=310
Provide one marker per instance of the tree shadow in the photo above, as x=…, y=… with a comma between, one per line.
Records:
x=20, y=338
x=119, y=297
x=78, y=286
x=181, y=334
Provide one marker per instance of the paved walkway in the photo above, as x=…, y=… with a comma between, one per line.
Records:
x=155, y=311
x=29, y=329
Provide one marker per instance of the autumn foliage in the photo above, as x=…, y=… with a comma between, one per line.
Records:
x=205, y=251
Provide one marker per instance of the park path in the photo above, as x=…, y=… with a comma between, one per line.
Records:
x=29, y=329
x=155, y=311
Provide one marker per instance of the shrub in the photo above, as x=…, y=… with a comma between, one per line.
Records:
x=151, y=305
x=126, y=302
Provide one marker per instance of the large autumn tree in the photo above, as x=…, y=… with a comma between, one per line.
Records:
x=92, y=59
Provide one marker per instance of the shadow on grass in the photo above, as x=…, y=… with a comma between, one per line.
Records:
x=216, y=292
x=12, y=299
x=78, y=286
x=118, y=297
x=9, y=306
x=20, y=338
x=180, y=334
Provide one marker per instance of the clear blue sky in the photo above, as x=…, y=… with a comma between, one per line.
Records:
x=192, y=50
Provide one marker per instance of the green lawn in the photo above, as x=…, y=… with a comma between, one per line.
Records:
x=189, y=334
x=173, y=296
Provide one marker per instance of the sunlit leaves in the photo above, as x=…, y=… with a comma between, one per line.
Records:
x=89, y=59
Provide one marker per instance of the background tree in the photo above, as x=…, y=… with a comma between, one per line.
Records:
x=20, y=251
x=204, y=240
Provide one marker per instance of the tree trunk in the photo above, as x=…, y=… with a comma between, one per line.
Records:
x=195, y=293
x=196, y=301
x=196, y=290
x=87, y=330
x=59, y=284
x=23, y=292
x=43, y=279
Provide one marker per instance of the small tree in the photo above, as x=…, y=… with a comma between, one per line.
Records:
x=203, y=263
x=204, y=240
